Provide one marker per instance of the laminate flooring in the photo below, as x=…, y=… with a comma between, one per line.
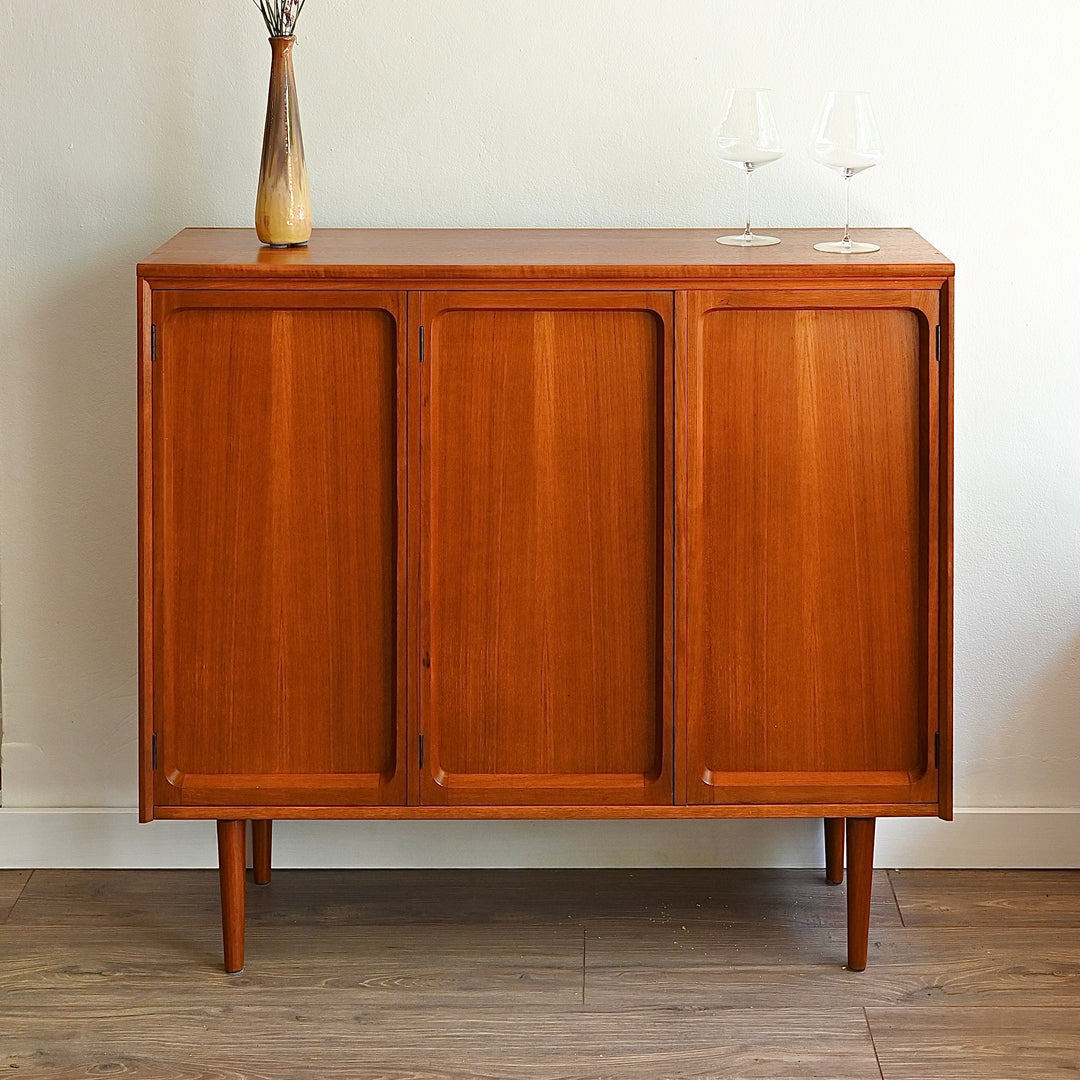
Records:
x=540, y=975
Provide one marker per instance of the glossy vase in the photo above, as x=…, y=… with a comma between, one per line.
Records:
x=283, y=205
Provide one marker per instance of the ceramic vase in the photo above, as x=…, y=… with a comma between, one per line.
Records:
x=283, y=205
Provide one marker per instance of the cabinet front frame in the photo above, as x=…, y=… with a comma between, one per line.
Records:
x=930, y=795
x=860, y=793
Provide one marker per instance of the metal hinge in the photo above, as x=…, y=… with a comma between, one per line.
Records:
x=938, y=343
x=421, y=344
x=153, y=750
x=937, y=749
x=421, y=751
x=153, y=342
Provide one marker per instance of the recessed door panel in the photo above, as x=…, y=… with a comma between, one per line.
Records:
x=807, y=516
x=278, y=606
x=546, y=548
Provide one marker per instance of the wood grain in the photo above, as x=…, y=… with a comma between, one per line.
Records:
x=991, y=898
x=224, y=275
x=558, y=811
x=434, y=965
x=834, y=850
x=683, y=963
x=629, y=962
x=222, y=1041
x=278, y=546
x=973, y=1044
x=859, y=841
x=381, y=583
x=131, y=898
x=428, y=257
x=262, y=844
x=107, y=971
x=12, y=883
x=232, y=836
x=547, y=493
x=807, y=602
x=146, y=583
x=725, y=898
x=947, y=378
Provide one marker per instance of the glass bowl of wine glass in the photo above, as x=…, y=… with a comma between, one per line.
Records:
x=846, y=140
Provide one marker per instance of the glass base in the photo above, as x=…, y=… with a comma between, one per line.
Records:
x=753, y=240
x=851, y=247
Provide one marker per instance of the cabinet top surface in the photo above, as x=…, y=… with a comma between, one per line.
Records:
x=539, y=254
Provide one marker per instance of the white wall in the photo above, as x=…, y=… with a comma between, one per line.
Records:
x=122, y=122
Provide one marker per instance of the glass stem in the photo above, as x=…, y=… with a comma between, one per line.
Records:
x=747, y=233
x=847, y=205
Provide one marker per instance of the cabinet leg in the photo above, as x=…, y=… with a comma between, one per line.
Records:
x=232, y=844
x=834, y=850
x=860, y=876
x=260, y=851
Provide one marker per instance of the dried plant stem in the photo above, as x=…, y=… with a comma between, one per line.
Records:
x=280, y=15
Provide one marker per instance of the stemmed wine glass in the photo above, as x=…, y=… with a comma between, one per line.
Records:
x=846, y=139
x=746, y=137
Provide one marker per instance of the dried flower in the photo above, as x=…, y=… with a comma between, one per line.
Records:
x=280, y=15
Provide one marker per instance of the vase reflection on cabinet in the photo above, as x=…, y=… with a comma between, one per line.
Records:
x=283, y=205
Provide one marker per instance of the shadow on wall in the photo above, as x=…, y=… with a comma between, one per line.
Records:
x=70, y=591
x=1038, y=741
x=70, y=587
x=742, y=842
x=150, y=130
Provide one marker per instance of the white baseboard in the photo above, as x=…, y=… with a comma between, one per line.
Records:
x=114, y=839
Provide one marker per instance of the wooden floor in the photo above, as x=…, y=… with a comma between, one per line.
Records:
x=540, y=975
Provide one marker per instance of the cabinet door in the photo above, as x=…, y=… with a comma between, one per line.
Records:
x=808, y=524
x=278, y=548
x=546, y=455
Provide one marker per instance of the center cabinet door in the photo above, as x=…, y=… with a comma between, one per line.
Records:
x=546, y=532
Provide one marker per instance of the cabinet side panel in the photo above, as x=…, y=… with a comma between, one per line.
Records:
x=945, y=630
x=545, y=434
x=811, y=613
x=279, y=532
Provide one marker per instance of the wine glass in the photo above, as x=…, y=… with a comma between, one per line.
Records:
x=747, y=138
x=846, y=139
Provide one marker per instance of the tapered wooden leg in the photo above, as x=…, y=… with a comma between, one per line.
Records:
x=260, y=851
x=834, y=850
x=860, y=876
x=232, y=844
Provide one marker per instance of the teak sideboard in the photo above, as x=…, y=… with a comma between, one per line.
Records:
x=544, y=524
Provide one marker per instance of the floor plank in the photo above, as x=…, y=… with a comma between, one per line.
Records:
x=974, y=1044
x=739, y=898
x=347, y=897
x=12, y=883
x=773, y=967
x=135, y=898
x=433, y=965
x=988, y=897
x=227, y=1043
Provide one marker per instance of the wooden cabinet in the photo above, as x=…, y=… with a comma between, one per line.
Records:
x=544, y=524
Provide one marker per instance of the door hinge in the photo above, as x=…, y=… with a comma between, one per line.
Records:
x=153, y=341
x=421, y=751
x=937, y=749
x=937, y=344
x=421, y=344
x=153, y=750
